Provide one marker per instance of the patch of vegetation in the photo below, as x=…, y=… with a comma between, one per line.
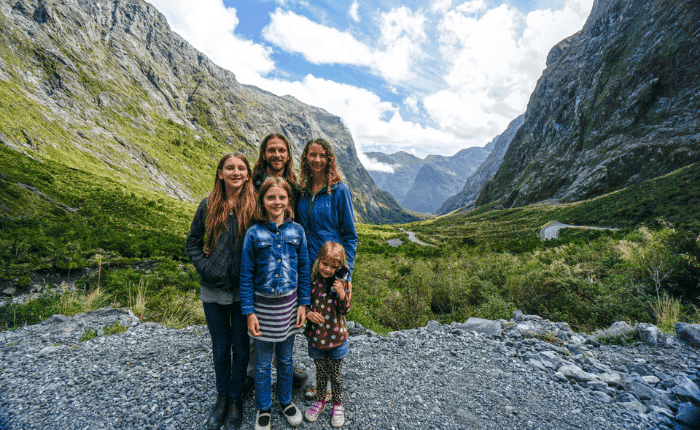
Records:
x=114, y=328
x=90, y=333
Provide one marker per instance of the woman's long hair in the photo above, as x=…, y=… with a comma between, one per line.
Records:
x=332, y=251
x=218, y=207
x=261, y=165
x=333, y=176
x=261, y=214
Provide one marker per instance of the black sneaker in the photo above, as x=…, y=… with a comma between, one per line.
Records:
x=299, y=377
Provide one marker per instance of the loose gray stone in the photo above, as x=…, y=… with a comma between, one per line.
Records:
x=577, y=374
x=687, y=391
x=688, y=414
x=483, y=326
x=689, y=333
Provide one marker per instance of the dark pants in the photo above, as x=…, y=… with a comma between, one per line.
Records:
x=229, y=338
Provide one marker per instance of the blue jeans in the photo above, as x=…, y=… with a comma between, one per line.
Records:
x=229, y=339
x=263, y=372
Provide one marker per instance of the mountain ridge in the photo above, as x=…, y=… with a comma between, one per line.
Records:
x=109, y=88
x=401, y=183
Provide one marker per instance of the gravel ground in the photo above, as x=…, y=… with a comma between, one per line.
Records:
x=436, y=377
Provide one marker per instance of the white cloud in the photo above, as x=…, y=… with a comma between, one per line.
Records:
x=494, y=64
x=471, y=7
x=372, y=164
x=362, y=110
x=401, y=29
x=411, y=103
x=470, y=80
x=353, y=12
x=208, y=26
x=441, y=5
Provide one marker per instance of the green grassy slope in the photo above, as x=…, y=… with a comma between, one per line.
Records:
x=485, y=263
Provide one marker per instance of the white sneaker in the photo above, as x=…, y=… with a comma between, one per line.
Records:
x=293, y=414
x=262, y=420
x=338, y=416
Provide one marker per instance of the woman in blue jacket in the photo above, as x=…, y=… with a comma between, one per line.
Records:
x=214, y=245
x=325, y=206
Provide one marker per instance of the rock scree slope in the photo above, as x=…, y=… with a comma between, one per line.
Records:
x=479, y=374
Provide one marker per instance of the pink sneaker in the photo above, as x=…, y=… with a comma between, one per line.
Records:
x=338, y=416
x=314, y=411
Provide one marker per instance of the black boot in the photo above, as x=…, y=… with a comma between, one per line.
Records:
x=234, y=419
x=218, y=413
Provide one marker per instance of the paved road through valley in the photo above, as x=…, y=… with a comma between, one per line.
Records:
x=551, y=231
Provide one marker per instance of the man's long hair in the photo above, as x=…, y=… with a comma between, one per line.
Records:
x=260, y=167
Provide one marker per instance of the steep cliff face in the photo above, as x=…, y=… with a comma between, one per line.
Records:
x=618, y=104
x=107, y=87
x=452, y=172
x=475, y=181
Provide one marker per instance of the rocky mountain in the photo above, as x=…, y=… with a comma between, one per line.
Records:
x=107, y=87
x=448, y=172
x=617, y=104
x=430, y=188
x=476, y=180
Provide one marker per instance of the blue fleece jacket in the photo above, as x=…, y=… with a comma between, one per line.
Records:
x=329, y=217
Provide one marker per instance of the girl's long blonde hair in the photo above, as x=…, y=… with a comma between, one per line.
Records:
x=218, y=208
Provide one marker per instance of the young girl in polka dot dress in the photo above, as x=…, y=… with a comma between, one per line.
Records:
x=326, y=329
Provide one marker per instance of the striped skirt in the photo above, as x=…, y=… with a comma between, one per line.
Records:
x=277, y=315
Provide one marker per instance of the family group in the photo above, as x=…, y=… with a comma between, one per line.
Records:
x=275, y=257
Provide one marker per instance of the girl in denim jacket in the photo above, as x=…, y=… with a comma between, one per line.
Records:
x=274, y=281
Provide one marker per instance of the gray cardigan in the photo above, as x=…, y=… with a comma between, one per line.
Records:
x=218, y=273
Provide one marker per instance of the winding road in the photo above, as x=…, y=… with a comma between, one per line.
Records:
x=551, y=230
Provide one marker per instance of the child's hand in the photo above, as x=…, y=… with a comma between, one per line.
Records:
x=301, y=316
x=315, y=317
x=339, y=288
x=254, y=325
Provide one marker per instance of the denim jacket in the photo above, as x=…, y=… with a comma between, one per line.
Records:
x=274, y=261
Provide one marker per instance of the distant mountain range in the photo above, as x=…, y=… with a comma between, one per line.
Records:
x=108, y=88
x=468, y=194
x=422, y=185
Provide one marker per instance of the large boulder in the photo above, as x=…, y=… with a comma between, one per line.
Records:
x=689, y=333
x=483, y=326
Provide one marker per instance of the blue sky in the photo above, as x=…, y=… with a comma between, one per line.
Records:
x=426, y=77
